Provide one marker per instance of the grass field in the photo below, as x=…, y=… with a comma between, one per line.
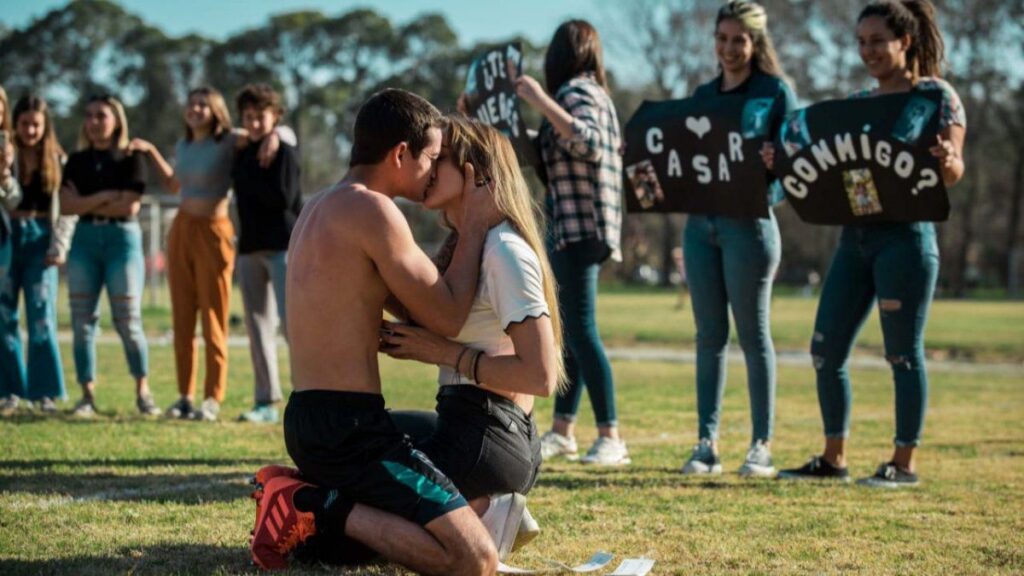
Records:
x=973, y=330
x=121, y=494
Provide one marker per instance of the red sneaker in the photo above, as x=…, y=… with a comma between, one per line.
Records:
x=263, y=475
x=280, y=526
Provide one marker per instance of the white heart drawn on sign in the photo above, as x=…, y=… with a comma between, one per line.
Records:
x=699, y=126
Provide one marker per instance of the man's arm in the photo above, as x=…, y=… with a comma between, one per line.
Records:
x=438, y=303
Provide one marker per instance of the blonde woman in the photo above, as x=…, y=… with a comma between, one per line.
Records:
x=103, y=185
x=200, y=244
x=732, y=261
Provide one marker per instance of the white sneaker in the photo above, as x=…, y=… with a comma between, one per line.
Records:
x=502, y=518
x=208, y=411
x=607, y=452
x=9, y=406
x=86, y=408
x=758, y=463
x=553, y=444
x=703, y=460
x=528, y=530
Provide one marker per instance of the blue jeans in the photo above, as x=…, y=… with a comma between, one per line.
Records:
x=576, y=268
x=27, y=272
x=732, y=263
x=898, y=264
x=107, y=255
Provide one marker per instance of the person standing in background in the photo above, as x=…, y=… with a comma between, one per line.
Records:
x=201, y=241
x=40, y=238
x=269, y=201
x=581, y=148
x=103, y=185
x=732, y=261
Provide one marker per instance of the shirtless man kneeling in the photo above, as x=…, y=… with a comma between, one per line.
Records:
x=351, y=248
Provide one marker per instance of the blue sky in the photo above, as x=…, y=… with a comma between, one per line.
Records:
x=472, y=19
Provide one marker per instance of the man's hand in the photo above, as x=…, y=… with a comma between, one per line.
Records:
x=410, y=343
x=479, y=210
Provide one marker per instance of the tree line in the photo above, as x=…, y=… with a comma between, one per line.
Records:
x=326, y=65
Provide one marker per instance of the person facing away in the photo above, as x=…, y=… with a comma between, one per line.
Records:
x=350, y=251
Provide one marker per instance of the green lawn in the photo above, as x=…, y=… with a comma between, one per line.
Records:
x=125, y=495
x=957, y=329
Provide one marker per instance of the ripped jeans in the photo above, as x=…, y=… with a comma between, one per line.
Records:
x=27, y=273
x=897, y=264
x=107, y=254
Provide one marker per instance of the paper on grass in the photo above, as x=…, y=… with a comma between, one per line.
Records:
x=596, y=562
x=634, y=567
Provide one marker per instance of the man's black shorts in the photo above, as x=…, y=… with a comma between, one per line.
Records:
x=347, y=441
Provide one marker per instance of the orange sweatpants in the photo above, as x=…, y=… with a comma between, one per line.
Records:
x=200, y=260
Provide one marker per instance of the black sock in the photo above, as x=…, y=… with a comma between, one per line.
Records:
x=329, y=510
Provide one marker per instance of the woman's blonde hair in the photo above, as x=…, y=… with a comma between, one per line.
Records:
x=218, y=107
x=492, y=156
x=5, y=118
x=754, y=20
x=120, y=138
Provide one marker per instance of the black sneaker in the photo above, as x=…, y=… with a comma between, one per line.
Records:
x=181, y=409
x=889, y=475
x=816, y=469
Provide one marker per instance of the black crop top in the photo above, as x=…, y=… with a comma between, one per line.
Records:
x=93, y=171
x=33, y=198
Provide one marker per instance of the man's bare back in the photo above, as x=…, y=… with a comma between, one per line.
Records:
x=335, y=294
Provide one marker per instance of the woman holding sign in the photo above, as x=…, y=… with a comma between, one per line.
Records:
x=581, y=149
x=731, y=262
x=897, y=263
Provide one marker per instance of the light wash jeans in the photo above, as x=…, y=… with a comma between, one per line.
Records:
x=108, y=255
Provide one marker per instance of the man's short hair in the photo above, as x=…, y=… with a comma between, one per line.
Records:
x=389, y=117
x=259, y=97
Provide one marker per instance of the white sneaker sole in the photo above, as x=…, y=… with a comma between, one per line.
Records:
x=573, y=457
x=528, y=530
x=701, y=469
x=595, y=462
x=755, y=471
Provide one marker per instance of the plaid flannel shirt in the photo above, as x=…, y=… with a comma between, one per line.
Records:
x=585, y=171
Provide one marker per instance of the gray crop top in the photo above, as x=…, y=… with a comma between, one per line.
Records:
x=203, y=167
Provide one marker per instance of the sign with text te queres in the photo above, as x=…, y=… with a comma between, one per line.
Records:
x=491, y=97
